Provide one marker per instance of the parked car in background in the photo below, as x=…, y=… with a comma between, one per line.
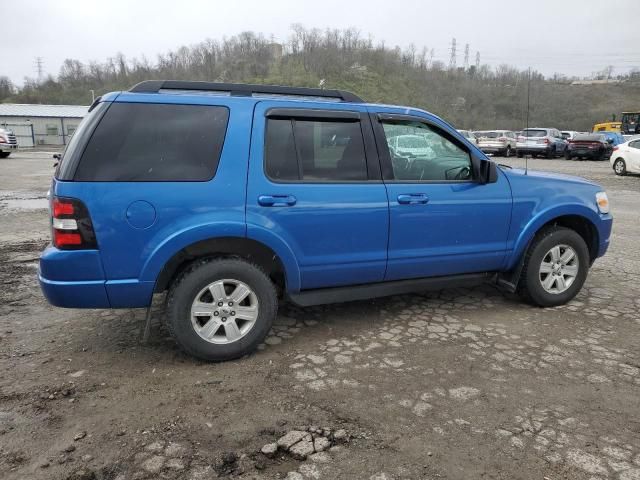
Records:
x=614, y=138
x=569, y=134
x=546, y=142
x=625, y=158
x=501, y=142
x=594, y=146
x=8, y=142
x=411, y=146
x=468, y=134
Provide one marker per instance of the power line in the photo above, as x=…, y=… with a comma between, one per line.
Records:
x=452, y=58
x=40, y=68
x=466, y=56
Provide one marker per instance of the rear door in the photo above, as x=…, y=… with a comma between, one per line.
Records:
x=314, y=181
x=442, y=220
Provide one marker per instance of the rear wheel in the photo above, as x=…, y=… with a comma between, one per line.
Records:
x=556, y=267
x=221, y=309
x=519, y=154
x=567, y=155
x=4, y=154
x=620, y=167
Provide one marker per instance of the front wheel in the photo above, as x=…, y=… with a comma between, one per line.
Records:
x=567, y=155
x=551, y=153
x=555, y=268
x=221, y=309
x=620, y=167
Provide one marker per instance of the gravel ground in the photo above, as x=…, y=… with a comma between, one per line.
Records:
x=458, y=384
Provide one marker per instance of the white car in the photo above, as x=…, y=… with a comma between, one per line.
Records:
x=411, y=146
x=625, y=157
x=468, y=134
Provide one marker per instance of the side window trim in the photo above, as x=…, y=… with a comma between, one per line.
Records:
x=362, y=118
x=377, y=119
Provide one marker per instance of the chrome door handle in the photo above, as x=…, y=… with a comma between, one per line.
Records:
x=277, y=200
x=412, y=198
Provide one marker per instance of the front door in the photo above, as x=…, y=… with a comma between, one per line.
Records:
x=442, y=220
x=314, y=181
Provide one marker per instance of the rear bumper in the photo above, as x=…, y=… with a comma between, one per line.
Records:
x=75, y=279
x=492, y=149
x=83, y=294
x=533, y=149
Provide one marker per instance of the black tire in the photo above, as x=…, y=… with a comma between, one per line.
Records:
x=519, y=154
x=551, y=153
x=184, y=290
x=567, y=155
x=530, y=286
x=4, y=154
x=621, y=169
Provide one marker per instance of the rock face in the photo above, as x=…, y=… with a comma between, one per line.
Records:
x=291, y=438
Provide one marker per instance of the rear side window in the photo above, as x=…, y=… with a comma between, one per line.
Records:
x=314, y=150
x=143, y=142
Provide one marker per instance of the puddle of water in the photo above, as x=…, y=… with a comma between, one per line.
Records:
x=26, y=204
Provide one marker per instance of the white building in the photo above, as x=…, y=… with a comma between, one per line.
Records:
x=36, y=125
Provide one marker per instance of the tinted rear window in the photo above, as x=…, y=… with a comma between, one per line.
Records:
x=534, y=133
x=589, y=138
x=143, y=142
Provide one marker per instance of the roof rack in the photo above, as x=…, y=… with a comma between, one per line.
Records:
x=242, y=89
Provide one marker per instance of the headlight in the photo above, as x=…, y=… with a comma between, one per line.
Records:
x=603, y=202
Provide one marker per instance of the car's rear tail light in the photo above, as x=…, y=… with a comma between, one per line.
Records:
x=71, y=227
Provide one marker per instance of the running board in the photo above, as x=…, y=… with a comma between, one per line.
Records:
x=321, y=296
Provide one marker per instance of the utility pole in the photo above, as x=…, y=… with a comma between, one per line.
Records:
x=452, y=58
x=40, y=68
x=466, y=57
x=477, y=60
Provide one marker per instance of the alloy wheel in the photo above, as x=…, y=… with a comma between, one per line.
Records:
x=559, y=269
x=224, y=311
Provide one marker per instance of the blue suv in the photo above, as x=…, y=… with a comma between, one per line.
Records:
x=232, y=197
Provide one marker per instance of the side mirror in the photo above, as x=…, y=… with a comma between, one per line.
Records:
x=488, y=172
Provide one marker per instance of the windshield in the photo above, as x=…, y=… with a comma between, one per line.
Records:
x=490, y=134
x=534, y=133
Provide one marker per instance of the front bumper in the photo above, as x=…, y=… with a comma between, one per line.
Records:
x=8, y=146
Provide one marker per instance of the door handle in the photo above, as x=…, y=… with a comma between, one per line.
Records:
x=277, y=200
x=412, y=198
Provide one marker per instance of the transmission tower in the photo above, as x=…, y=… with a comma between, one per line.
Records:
x=466, y=57
x=40, y=68
x=477, y=60
x=452, y=58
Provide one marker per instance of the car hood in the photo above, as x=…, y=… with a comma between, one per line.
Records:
x=537, y=175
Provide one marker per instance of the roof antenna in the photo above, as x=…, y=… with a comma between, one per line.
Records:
x=526, y=157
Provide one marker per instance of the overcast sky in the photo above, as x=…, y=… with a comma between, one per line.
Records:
x=574, y=37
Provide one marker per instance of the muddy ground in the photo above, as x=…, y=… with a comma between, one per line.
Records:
x=459, y=384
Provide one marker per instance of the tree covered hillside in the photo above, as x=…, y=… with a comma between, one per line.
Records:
x=471, y=98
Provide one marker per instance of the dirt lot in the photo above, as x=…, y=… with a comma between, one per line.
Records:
x=458, y=384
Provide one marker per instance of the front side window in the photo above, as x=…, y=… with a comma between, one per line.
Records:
x=314, y=150
x=144, y=142
x=420, y=152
